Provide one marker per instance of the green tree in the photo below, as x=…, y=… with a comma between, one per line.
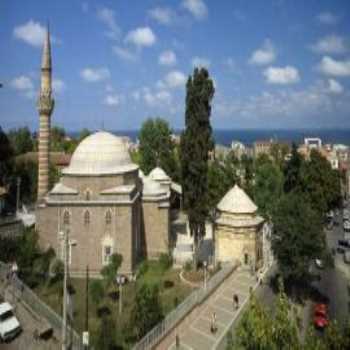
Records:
x=21, y=140
x=248, y=171
x=298, y=237
x=109, y=272
x=321, y=183
x=278, y=153
x=147, y=311
x=196, y=143
x=83, y=133
x=222, y=176
x=58, y=135
x=292, y=171
x=6, y=158
x=157, y=148
x=268, y=187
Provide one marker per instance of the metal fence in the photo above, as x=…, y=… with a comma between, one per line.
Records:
x=153, y=337
x=24, y=294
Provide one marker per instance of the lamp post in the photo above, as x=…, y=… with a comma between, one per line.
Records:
x=64, y=238
x=205, y=274
x=120, y=279
x=18, y=194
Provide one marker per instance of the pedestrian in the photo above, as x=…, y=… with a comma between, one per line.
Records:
x=236, y=300
x=213, y=327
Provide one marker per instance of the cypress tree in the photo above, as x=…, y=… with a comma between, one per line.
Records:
x=196, y=144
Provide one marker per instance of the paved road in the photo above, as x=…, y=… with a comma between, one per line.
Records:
x=333, y=283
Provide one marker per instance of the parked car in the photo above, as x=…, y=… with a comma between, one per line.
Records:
x=9, y=325
x=344, y=242
x=320, y=316
x=319, y=263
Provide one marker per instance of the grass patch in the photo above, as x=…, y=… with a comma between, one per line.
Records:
x=172, y=292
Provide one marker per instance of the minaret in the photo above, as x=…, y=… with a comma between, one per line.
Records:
x=45, y=107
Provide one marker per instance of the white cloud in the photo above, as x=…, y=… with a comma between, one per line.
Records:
x=200, y=62
x=95, y=74
x=167, y=58
x=33, y=33
x=107, y=16
x=142, y=36
x=162, y=15
x=58, y=85
x=175, y=79
x=281, y=75
x=124, y=53
x=330, y=66
x=285, y=106
x=157, y=98
x=327, y=18
x=335, y=87
x=197, y=8
x=264, y=55
x=24, y=85
x=112, y=100
x=330, y=44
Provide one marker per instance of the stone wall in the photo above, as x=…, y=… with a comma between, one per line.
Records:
x=156, y=227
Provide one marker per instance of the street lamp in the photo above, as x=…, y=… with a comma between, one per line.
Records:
x=120, y=279
x=67, y=244
x=205, y=274
x=64, y=237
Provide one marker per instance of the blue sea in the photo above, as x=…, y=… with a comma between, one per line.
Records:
x=248, y=136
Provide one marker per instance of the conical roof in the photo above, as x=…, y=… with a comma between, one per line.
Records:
x=236, y=201
x=46, y=58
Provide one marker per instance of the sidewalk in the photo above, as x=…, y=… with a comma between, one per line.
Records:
x=194, y=331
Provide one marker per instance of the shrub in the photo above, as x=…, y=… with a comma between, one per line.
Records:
x=143, y=268
x=168, y=284
x=96, y=291
x=165, y=261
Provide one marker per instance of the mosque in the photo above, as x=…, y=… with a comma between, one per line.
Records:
x=105, y=205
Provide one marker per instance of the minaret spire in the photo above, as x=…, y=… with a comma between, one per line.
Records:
x=46, y=59
x=45, y=107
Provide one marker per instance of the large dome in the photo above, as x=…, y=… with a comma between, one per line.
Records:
x=101, y=153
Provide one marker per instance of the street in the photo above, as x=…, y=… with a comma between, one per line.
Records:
x=333, y=282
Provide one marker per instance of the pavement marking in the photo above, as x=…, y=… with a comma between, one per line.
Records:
x=202, y=333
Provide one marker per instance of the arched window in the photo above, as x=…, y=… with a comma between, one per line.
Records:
x=108, y=217
x=66, y=217
x=87, y=194
x=86, y=217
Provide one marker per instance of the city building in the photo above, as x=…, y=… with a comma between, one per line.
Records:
x=262, y=147
x=238, y=230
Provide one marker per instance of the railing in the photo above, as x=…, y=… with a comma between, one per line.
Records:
x=153, y=337
x=23, y=293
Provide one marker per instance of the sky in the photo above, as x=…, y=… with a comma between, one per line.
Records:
x=275, y=63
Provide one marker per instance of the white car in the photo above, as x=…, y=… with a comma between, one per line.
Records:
x=9, y=325
x=319, y=263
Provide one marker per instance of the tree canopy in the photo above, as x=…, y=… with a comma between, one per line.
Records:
x=156, y=147
x=196, y=143
x=21, y=140
x=298, y=236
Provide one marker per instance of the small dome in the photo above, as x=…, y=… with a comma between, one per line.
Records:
x=236, y=201
x=101, y=153
x=158, y=174
x=152, y=188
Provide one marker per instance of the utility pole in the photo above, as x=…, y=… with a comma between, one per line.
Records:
x=64, y=325
x=18, y=194
x=86, y=333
